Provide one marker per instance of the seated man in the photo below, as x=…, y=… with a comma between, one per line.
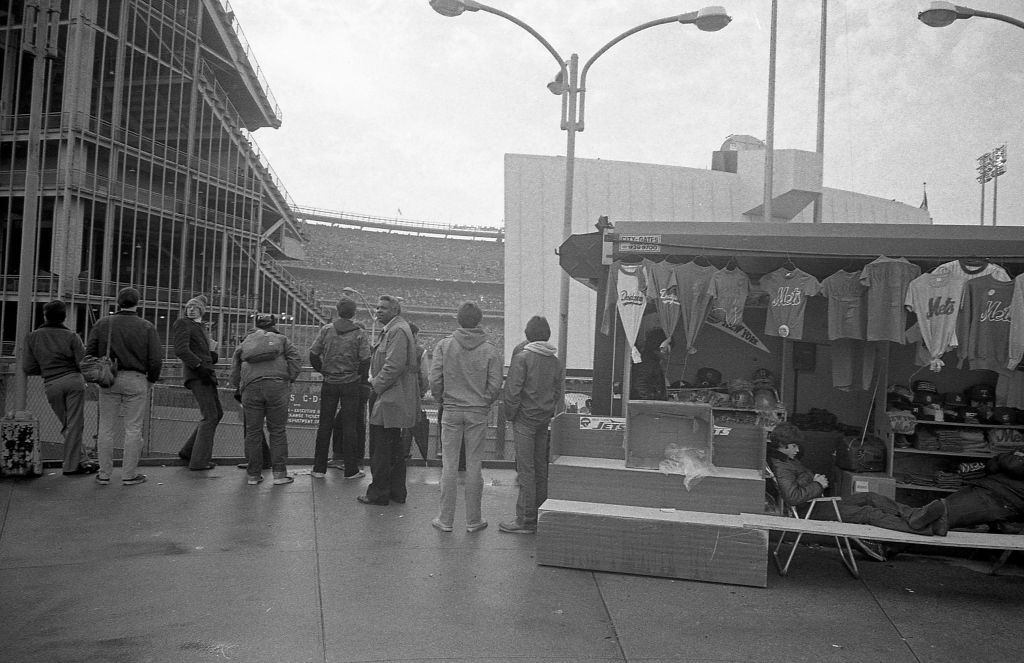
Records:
x=799, y=485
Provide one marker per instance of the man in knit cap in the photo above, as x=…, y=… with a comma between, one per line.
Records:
x=264, y=383
x=198, y=355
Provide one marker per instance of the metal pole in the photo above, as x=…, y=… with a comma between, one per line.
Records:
x=995, y=197
x=820, y=147
x=769, y=156
x=982, y=222
x=570, y=173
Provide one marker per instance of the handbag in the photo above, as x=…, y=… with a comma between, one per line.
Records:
x=100, y=370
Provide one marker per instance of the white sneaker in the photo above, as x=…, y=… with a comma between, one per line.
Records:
x=436, y=522
x=318, y=475
x=358, y=475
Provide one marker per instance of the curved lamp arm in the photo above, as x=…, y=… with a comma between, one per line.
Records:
x=712, y=18
x=941, y=14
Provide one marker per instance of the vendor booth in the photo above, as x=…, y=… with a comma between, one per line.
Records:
x=709, y=334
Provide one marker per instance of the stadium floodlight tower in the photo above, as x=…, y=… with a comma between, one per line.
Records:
x=570, y=84
x=941, y=14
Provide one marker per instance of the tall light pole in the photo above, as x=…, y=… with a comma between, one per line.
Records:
x=941, y=14
x=570, y=83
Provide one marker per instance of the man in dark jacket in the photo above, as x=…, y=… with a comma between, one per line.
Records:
x=340, y=353
x=135, y=345
x=994, y=498
x=53, y=351
x=195, y=349
x=798, y=485
x=533, y=393
x=465, y=377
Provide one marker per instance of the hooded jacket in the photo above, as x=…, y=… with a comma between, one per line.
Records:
x=533, y=390
x=341, y=352
x=285, y=366
x=466, y=370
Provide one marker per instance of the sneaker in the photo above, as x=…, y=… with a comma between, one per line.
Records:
x=280, y=481
x=253, y=480
x=436, y=522
x=102, y=479
x=335, y=465
x=358, y=475
x=476, y=527
x=516, y=527
x=318, y=475
x=131, y=481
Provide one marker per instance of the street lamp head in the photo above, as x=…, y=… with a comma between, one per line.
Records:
x=711, y=19
x=941, y=14
x=557, y=85
x=452, y=8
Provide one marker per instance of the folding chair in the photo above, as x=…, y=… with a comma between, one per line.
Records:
x=842, y=542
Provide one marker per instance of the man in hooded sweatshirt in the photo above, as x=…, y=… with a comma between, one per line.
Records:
x=197, y=352
x=533, y=393
x=465, y=377
x=341, y=350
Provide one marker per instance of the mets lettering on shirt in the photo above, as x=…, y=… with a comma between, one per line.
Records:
x=938, y=307
x=787, y=296
x=995, y=312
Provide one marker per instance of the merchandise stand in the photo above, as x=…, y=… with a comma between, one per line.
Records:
x=604, y=515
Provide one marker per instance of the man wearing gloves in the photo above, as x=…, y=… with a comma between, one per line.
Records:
x=533, y=393
x=465, y=377
x=197, y=352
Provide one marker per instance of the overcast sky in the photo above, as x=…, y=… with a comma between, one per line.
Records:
x=389, y=106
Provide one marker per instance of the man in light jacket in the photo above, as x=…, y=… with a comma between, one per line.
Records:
x=532, y=396
x=465, y=377
x=394, y=370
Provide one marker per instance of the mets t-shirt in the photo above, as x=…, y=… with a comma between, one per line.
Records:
x=788, y=291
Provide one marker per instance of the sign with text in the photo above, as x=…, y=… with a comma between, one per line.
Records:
x=603, y=423
x=640, y=243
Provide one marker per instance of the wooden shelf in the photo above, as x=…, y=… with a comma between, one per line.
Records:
x=933, y=489
x=962, y=454
x=957, y=424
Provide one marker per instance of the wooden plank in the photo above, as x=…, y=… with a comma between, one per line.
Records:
x=609, y=481
x=832, y=528
x=585, y=435
x=652, y=542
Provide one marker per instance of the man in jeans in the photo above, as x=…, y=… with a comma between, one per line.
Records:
x=340, y=353
x=54, y=351
x=264, y=385
x=134, y=343
x=533, y=393
x=465, y=377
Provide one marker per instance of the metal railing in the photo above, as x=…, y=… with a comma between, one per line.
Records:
x=398, y=224
x=229, y=14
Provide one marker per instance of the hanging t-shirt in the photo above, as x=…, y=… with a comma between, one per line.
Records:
x=694, y=300
x=957, y=269
x=887, y=280
x=1016, y=323
x=935, y=298
x=728, y=289
x=661, y=287
x=611, y=293
x=845, y=293
x=631, y=302
x=983, y=326
x=788, y=290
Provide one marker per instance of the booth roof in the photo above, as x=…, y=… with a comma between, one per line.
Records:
x=819, y=249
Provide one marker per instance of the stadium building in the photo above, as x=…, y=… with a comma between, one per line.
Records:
x=127, y=158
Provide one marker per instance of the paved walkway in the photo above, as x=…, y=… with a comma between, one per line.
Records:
x=197, y=566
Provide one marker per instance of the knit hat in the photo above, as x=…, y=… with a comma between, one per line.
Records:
x=199, y=301
x=265, y=320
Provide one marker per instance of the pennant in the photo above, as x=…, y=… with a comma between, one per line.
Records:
x=740, y=331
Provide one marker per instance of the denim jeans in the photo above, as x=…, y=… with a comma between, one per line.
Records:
x=532, y=465
x=125, y=402
x=456, y=425
x=199, y=446
x=339, y=419
x=266, y=399
x=66, y=395
x=976, y=506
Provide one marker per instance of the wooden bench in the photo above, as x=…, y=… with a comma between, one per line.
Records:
x=1005, y=542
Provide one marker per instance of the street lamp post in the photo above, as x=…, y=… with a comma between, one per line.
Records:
x=941, y=14
x=570, y=83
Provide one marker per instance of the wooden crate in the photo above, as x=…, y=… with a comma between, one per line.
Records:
x=653, y=542
x=739, y=445
x=587, y=435
x=651, y=426
x=609, y=481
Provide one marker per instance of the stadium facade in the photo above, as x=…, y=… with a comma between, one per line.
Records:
x=731, y=191
x=127, y=158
